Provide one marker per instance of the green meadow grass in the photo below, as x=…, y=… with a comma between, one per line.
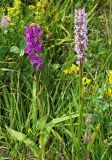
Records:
x=39, y=110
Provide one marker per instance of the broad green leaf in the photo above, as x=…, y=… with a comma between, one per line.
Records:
x=22, y=137
x=55, y=121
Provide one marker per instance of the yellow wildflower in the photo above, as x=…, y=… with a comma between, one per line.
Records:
x=32, y=24
x=86, y=80
x=17, y=3
x=15, y=10
x=74, y=68
x=109, y=74
x=42, y=5
x=110, y=79
x=69, y=71
x=10, y=11
x=109, y=92
x=39, y=4
x=66, y=71
x=31, y=8
x=41, y=8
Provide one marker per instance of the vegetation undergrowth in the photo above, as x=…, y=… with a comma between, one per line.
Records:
x=39, y=109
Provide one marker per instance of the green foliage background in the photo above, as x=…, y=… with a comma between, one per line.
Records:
x=39, y=110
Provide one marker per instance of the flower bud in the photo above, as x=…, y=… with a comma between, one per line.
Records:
x=87, y=137
x=5, y=21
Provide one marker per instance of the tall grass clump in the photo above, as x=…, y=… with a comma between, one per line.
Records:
x=55, y=103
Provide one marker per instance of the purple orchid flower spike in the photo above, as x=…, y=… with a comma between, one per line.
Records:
x=80, y=29
x=33, y=48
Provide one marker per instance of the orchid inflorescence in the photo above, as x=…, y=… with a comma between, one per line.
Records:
x=80, y=29
x=33, y=48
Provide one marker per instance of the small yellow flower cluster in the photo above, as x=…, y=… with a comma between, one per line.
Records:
x=15, y=10
x=109, y=90
x=17, y=3
x=10, y=11
x=41, y=8
x=40, y=5
x=72, y=69
x=86, y=80
x=31, y=8
x=110, y=79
